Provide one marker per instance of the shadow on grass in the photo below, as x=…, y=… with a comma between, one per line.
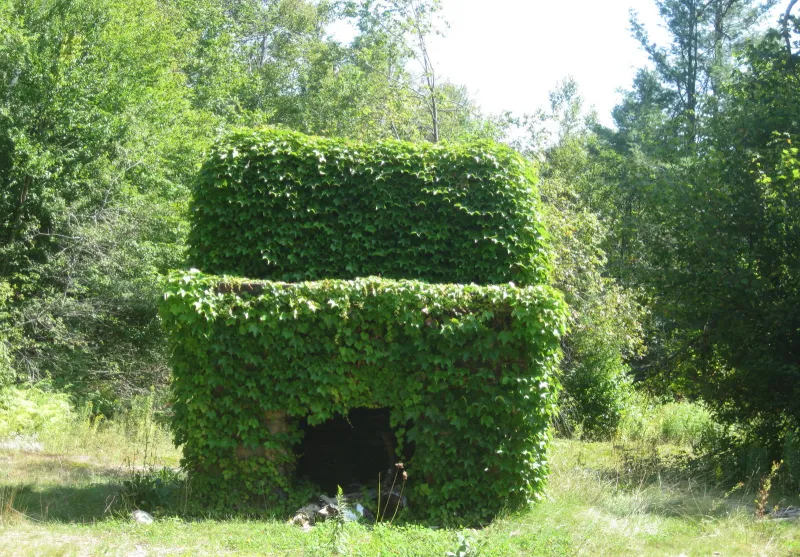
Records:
x=673, y=485
x=107, y=500
x=58, y=470
x=59, y=503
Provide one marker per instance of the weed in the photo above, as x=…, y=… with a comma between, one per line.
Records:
x=391, y=494
x=338, y=540
x=465, y=548
x=153, y=490
x=9, y=515
x=762, y=497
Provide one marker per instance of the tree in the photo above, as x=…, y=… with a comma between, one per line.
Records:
x=105, y=107
x=99, y=143
x=393, y=39
x=605, y=318
x=704, y=34
x=707, y=226
x=730, y=280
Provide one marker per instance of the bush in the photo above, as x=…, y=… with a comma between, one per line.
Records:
x=596, y=393
x=31, y=411
x=464, y=370
x=739, y=453
x=152, y=489
x=279, y=205
x=605, y=321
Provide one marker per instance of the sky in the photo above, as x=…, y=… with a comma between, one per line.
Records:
x=511, y=53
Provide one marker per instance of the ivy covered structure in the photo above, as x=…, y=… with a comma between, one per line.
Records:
x=354, y=282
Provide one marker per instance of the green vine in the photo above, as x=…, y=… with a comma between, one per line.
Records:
x=280, y=205
x=464, y=369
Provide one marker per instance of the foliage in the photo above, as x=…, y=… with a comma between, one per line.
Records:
x=605, y=330
x=6, y=370
x=105, y=109
x=440, y=110
x=465, y=548
x=725, y=276
x=283, y=206
x=98, y=140
x=605, y=318
x=688, y=72
x=31, y=411
x=465, y=370
x=152, y=489
x=254, y=63
x=40, y=417
x=701, y=178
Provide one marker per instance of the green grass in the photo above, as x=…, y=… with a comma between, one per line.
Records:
x=603, y=499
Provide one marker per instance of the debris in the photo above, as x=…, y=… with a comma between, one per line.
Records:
x=355, y=514
x=327, y=507
x=785, y=514
x=141, y=517
x=138, y=551
x=392, y=483
x=305, y=516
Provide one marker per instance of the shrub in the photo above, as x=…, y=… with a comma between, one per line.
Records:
x=31, y=411
x=464, y=369
x=596, y=393
x=152, y=489
x=738, y=453
x=605, y=319
x=279, y=205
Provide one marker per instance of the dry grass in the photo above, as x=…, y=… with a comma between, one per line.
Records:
x=603, y=499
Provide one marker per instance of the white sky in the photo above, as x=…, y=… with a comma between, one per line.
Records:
x=511, y=53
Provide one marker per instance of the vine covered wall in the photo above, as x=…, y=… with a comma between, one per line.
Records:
x=465, y=371
x=280, y=205
x=407, y=277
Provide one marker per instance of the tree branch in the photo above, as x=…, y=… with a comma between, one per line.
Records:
x=786, y=32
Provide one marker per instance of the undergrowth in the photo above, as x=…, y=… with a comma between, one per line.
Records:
x=40, y=419
x=651, y=422
x=632, y=496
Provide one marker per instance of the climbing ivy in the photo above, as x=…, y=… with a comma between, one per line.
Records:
x=280, y=205
x=464, y=369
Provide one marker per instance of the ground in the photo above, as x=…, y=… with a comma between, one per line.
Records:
x=603, y=499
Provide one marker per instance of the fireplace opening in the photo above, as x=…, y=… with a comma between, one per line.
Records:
x=347, y=451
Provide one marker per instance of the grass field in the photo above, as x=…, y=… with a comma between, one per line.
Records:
x=603, y=499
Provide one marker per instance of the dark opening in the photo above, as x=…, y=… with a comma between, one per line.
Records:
x=347, y=451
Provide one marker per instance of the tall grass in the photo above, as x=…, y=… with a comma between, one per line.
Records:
x=9, y=514
x=35, y=416
x=602, y=499
x=652, y=423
